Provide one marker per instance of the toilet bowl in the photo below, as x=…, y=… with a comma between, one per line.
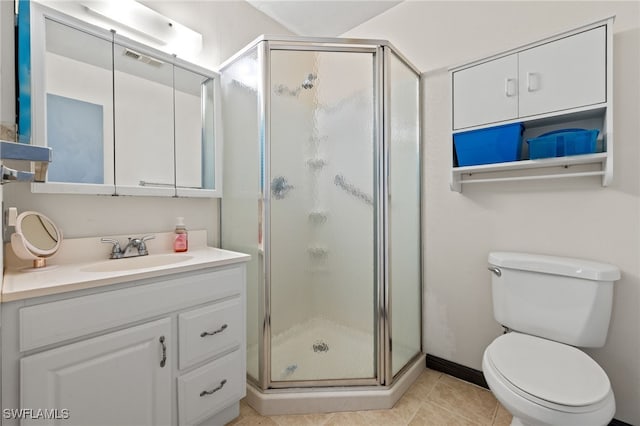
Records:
x=553, y=305
x=541, y=382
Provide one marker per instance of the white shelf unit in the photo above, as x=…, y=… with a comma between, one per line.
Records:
x=476, y=105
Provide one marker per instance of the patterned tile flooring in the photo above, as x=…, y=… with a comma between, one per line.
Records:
x=435, y=399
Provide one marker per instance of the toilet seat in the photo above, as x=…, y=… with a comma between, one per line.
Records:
x=551, y=374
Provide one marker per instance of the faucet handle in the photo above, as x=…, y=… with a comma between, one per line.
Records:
x=116, y=251
x=142, y=247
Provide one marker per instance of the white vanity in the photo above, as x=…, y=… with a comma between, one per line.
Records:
x=154, y=340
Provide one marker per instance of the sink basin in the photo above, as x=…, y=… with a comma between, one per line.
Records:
x=141, y=262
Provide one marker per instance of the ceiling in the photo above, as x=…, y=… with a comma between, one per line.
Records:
x=327, y=18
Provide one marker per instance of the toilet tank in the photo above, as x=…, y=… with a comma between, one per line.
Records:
x=557, y=298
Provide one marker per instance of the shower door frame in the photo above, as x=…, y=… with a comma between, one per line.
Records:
x=382, y=348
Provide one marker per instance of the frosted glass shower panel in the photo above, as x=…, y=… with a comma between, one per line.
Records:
x=79, y=105
x=321, y=220
x=242, y=188
x=404, y=212
x=144, y=119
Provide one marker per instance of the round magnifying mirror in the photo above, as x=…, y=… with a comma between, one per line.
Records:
x=36, y=238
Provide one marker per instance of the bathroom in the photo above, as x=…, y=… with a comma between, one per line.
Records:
x=569, y=217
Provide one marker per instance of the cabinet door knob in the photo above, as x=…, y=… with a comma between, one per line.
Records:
x=212, y=391
x=510, y=87
x=214, y=332
x=163, y=361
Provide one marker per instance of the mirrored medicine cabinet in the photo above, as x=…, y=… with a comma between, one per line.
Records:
x=122, y=118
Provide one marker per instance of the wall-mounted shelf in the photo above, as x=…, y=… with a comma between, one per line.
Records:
x=562, y=168
x=538, y=85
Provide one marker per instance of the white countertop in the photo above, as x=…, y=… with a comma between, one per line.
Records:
x=90, y=272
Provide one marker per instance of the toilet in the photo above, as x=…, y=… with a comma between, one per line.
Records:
x=549, y=306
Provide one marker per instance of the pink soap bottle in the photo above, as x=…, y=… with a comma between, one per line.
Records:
x=181, y=240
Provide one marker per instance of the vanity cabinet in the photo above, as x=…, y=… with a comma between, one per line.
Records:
x=159, y=351
x=564, y=81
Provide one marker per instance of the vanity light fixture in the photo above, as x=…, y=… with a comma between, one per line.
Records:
x=139, y=21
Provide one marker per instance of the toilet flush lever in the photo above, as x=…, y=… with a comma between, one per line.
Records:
x=495, y=270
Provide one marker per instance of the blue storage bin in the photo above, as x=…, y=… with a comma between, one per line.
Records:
x=491, y=145
x=563, y=142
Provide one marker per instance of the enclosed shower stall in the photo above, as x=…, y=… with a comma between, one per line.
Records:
x=322, y=189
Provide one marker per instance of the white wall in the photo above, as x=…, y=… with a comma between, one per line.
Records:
x=575, y=218
x=226, y=28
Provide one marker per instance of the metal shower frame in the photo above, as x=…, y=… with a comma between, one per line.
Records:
x=382, y=51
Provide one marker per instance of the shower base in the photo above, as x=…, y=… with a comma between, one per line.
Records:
x=320, y=349
x=333, y=399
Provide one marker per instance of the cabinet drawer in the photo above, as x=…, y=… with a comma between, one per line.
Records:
x=208, y=331
x=207, y=390
x=54, y=322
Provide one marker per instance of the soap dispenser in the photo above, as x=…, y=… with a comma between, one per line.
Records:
x=181, y=240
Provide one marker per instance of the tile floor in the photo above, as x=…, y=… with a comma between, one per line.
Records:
x=434, y=399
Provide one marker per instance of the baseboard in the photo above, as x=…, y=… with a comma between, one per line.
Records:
x=615, y=422
x=474, y=376
x=456, y=370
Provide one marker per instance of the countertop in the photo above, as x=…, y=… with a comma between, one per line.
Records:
x=23, y=283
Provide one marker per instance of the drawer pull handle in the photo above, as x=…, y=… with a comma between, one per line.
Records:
x=163, y=361
x=213, y=333
x=212, y=391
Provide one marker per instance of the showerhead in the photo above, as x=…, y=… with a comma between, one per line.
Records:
x=308, y=82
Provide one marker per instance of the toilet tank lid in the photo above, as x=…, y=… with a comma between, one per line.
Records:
x=579, y=268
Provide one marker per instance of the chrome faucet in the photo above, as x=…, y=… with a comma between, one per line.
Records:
x=134, y=243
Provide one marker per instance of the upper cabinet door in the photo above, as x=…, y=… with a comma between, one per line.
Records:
x=486, y=93
x=73, y=105
x=144, y=123
x=197, y=139
x=567, y=73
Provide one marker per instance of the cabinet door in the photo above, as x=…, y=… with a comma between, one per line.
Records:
x=563, y=74
x=115, y=379
x=486, y=93
x=144, y=123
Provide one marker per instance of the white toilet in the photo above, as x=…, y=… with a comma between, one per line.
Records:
x=550, y=304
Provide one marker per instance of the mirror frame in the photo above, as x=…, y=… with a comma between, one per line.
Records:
x=38, y=14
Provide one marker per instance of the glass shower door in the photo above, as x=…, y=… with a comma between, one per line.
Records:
x=321, y=222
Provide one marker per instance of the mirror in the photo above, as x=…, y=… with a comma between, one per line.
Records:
x=36, y=238
x=194, y=131
x=77, y=106
x=143, y=94
x=122, y=118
